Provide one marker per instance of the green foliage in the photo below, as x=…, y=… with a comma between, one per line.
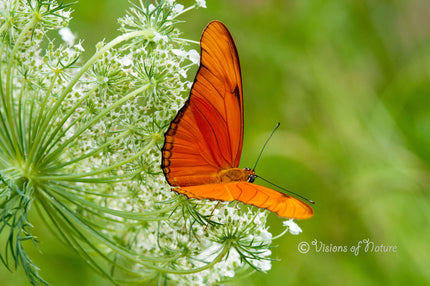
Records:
x=349, y=82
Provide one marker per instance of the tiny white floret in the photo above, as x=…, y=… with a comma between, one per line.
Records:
x=179, y=52
x=194, y=56
x=201, y=3
x=79, y=47
x=160, y=38
x=67, y=36
x=178, y=8
x=126, y=61
x=292, y=227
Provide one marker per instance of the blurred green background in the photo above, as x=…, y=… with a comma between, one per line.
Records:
x=349, y=81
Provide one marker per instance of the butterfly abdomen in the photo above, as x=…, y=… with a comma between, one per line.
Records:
x=223, y=176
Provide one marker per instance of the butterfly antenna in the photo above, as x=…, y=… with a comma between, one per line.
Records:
x=297, y=195
x=265, y=143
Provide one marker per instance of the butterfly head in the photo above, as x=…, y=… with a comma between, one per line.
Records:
x=251, y=175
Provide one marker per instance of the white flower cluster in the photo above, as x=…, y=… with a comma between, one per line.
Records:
x=92, y=135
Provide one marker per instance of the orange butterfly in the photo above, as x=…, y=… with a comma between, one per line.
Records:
x=203, y=144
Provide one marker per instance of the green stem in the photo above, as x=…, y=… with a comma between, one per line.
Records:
x=185, y=10
x=78, y=200
x=89, y=154
x=9, y=91
x=217, y=259
x=180, y=40
x=83, y=191
x=79, y=226
x=68, y=231
x=62, y=147
x=48, y=118
x=101, y=171
x=4, y=27
x=5, y=141
x=50, y=143
x=9, y=79
x=4, y=162
x=42, y=110
x=96, y=180
x=21, y=119
x=281, y=234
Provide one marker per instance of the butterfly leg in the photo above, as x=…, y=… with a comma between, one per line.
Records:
x=211, y=216
x=236, y=205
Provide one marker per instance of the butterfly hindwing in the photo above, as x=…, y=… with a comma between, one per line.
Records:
x=251, y=194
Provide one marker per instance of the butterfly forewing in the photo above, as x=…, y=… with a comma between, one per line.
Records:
x=207, y=133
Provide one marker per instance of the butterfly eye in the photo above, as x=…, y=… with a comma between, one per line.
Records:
x=251, y=178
